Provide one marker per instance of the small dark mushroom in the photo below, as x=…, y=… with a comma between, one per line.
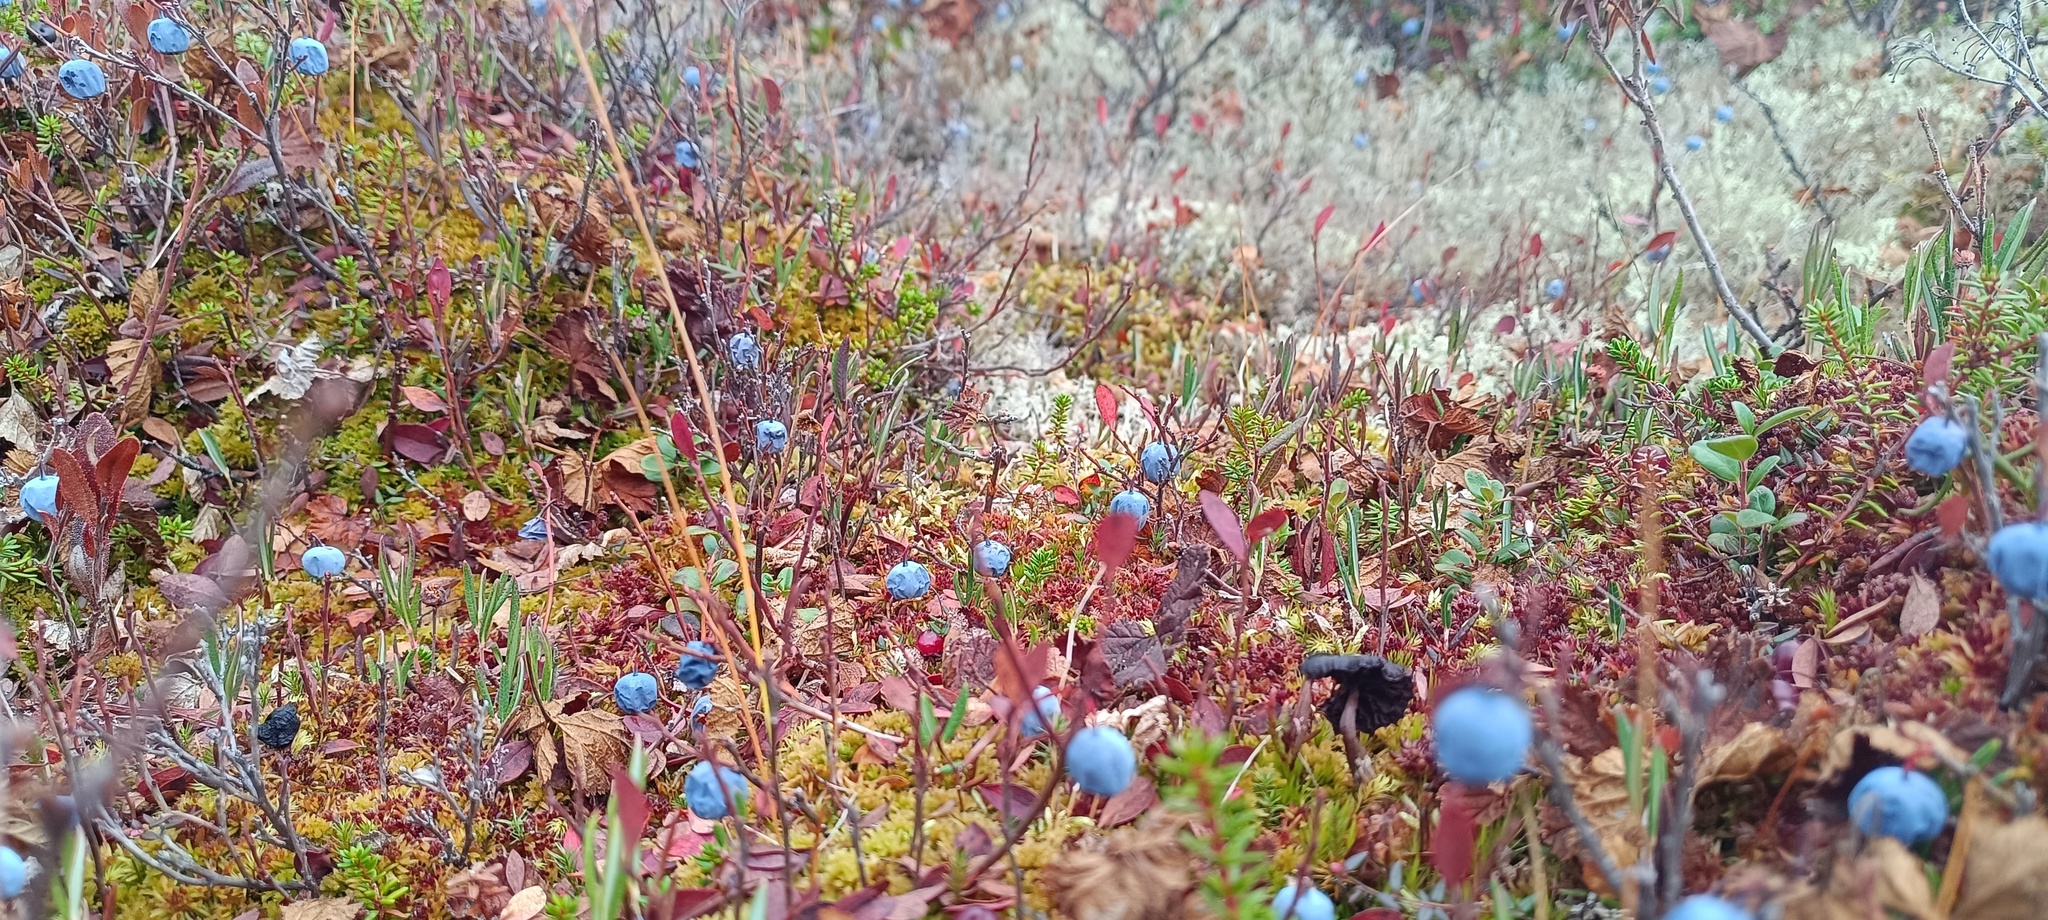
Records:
x=1370, y=694
x=280, y=728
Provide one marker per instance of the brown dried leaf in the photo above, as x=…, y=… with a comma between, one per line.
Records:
x=1449, y=473
x=2006, y=874
x=1923, y=608
x=593, y=742
x=133, y=371
x=322, y=909
x=1143, y=874
x=1134, y=654
x=1439, y=419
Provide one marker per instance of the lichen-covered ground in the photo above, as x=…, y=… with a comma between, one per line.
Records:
x=424, y=468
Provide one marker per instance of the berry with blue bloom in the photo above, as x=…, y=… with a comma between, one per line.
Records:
x=308, y=56
x=2018, y=555
x=1361, y=140
x=1160, y=461
x=992, y=558
x=1482, y=735
x=1653, y=68
x=687, y=156
x=699, y=665
x=11, y=64
x=745, y=352
x=908, y=581
x=1411, y=27
x=635, y=693
x=1043, y=714
x=1566, y=31
x=1707, y=907
x=1661, y=85
x=1299, y=904
x=1901, y=803
x=770, y=436
x=169, y=36
x=711, y=791
x=1016, y=63
x=323, y=562
x=39, y=497
x=1101, y=761
x=1133, y=504
x=1724, y=114
x=1694, y=142
x=1590, y=124
x=81, y=79
x=1937, y=445
x=13, y=873
x=533, y=529
x=1554, y=289
x=693, y=78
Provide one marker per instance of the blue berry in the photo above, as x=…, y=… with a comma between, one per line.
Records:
x=1661, y=85
x=323, y=562
x=1360, y=77
x=1937, y=445
x=1724, y=114
x=1292, y=903
x=13, y=873
x=770, y=436
x=1101, y=761
x=1133, y=504
x=1003, y=12
x=1554, y=289
x=698, y=667
x=1897, y=802
x=2018, y=555
x=11, y=66
x=308, y=56
x=992, y=557
x=1411, y=28
x=1653, y=68
x=1482, y=735
x=687, y=156
x=745, y=352
x=1361, y=140
x=635, y=692
x=1707, y=907
x=1566, y=31
x=81, y=79
x=169, y=36
x=909, y=581
x=878, y=23
x=1694, y=142
x=1044, y=712
x=1016, y=63
x=534, y=529
x=1159, y=461
x=701, y=709
x=711, y=790
x=1420, y=290
x=693, y=78
x=39, y=497
x=537, y=7
x=1590, y=125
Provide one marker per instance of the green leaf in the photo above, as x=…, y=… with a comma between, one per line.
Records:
x=927, y=724
x=1738, y=447
x=1763, y=499
x=1789, y=415
x=1752, y=519
x=953, y=721
x=1764, y=467
x=1745, y=418
x=1789, y=521
x=1715, y=462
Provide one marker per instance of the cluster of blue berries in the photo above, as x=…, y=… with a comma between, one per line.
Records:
x=80, y=78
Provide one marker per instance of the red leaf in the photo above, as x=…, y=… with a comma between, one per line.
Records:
x=1378, y=233
x=1457, y=832
x=1953, y=512
x=1264, y=523
x=1066, y=496
x=1102, y=110
x=1126, y=806
x=679, y=432
x=417, y=443
x=1105, y=403
x=1936, y=368
x=1224, y=522
x=440, y=285
x=424, y=399
x=1115, y=535
x=632, y=803
x=1323, y=217
x=771, y=96
x=1535, y=245
x=1160, y=123
x=1662, y=241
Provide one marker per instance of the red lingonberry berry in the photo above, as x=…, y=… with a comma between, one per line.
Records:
x=930, y=644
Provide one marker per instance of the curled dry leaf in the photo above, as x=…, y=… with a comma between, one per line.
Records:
x=1143, y=874
x=322, y=909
